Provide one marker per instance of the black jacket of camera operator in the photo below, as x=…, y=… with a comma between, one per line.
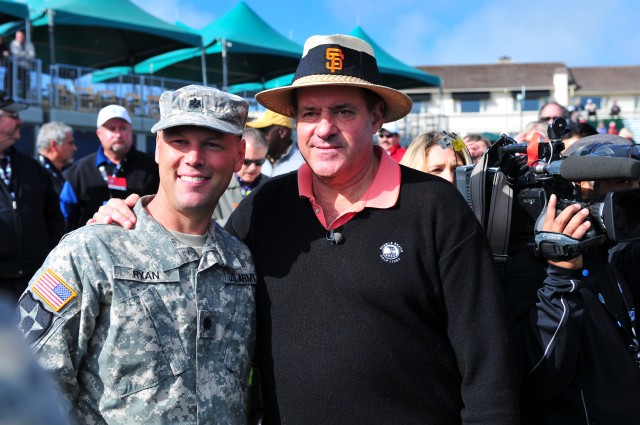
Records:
x=580, y=352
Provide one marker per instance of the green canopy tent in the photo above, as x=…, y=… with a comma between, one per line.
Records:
x=282, y=81
x=101, y=33
x=12, y=11
x=240, y=47
x=394, y=73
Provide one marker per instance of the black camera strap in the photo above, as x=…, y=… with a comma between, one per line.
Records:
x=496, y=216
x=560, y=247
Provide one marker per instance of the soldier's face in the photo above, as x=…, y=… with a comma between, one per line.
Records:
x=196, y=165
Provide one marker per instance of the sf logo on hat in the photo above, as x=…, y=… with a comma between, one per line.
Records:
x=334, y=59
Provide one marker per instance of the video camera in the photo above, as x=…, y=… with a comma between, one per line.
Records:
x=510, y=186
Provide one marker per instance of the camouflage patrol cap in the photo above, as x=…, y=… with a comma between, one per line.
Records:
x=203, y=107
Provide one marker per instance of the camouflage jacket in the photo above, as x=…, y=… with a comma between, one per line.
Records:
x=138, y=328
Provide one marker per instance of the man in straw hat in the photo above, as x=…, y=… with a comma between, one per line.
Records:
x=155, y=325
x=361, y=321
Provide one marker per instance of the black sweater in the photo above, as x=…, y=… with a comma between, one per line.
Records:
x=404, y=322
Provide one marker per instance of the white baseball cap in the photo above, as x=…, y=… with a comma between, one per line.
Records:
x=112, y=111
x=391, y=127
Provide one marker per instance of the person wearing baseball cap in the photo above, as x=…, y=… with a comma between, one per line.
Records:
x=389, y=139
x=378, y=298
x=116, y=170
x=155, y=324
x=30, y=220
x=283, y=155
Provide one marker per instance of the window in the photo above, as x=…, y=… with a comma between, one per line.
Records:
x=533, y=99
x=531, y=104
x=470, y=102
x=420, y=102
x=470, y=106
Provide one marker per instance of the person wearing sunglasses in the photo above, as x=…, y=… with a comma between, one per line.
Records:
x=389, y=140
x=31, y=223
x=248, y=178
x=552, y=110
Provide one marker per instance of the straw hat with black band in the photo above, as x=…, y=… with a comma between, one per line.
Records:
x=337, y=60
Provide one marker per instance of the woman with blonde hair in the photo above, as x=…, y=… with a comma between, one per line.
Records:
x=432, y=153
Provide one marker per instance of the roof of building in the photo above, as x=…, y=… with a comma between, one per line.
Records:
x=535, y=76
x=606, y=78
x=493, y=76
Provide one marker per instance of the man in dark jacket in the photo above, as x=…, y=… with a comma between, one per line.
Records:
x=30, y=220
x=116, y=170
x=56, y=149
x=579, y=331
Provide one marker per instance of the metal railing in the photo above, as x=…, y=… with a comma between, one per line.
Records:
x=88, y=90
x=21, y=78
x=82, y=89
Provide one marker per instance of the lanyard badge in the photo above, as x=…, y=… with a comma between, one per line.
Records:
x=117, y=183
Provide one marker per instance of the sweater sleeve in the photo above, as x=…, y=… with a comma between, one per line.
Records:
x=480, y=328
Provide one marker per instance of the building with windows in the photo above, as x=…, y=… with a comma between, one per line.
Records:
x=506, y=96
x=491, y=98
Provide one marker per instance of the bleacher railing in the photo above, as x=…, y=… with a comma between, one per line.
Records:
x=88, y=90
x=21, y=78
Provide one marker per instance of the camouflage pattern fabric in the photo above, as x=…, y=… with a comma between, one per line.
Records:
x=156, y=333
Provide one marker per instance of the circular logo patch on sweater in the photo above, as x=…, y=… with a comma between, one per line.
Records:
x=390, y=252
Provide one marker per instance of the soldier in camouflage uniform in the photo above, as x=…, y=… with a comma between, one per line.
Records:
x=156, y=324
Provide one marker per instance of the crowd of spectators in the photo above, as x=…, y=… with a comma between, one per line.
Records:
x=575, y=316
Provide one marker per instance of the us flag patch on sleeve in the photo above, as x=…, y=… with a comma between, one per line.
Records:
x=53, y=290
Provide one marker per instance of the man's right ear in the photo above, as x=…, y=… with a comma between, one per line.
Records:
x=158, y=139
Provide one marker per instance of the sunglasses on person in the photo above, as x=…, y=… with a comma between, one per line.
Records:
x=548, y=118
x=258, y=162
x=388, y=135
x=14, y=115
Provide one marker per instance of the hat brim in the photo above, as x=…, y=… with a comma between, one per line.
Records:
x=259, y=123
x=279, y=99
x=198, y=121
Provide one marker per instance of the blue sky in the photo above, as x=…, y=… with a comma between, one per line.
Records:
x=440, y=32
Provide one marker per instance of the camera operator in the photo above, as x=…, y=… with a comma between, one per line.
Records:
x=579, y=332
